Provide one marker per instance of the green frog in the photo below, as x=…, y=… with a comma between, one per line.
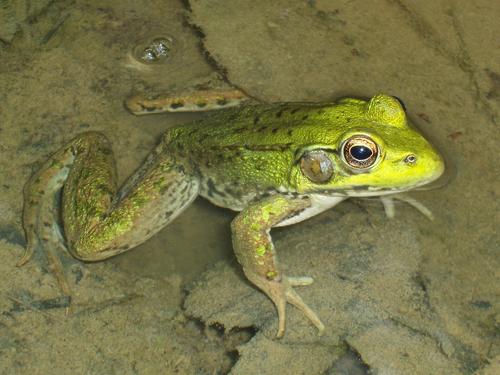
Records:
x=277, y=164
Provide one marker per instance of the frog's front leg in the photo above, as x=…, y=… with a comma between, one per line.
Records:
x=99, y=220
x=388, y=203
x=255, y=252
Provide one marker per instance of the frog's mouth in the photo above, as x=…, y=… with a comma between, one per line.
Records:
x=371, y=191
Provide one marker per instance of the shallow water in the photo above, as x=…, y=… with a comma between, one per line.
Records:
x=402, y=296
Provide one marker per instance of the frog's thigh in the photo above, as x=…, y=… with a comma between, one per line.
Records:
x=255, y=252
x=89, y=189
x=99, y=225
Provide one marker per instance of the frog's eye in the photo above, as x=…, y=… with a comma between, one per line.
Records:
x=316, y=166
x=360, y=152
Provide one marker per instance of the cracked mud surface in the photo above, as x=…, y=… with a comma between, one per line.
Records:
x=401, y=296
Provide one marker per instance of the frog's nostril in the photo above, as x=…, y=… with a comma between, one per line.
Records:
x=410, y=159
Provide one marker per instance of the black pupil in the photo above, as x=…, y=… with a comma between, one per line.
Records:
x=360, y=152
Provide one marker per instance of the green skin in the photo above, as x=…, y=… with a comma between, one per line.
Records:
x=250, y=159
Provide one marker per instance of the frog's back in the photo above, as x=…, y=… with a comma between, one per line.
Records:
x=241, y=153
x=260, y=128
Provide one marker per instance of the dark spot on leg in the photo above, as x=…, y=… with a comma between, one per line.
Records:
x=165, y=188
x=305, y=117
x=103, y=188
x=221, y=101
x=78, y=274
x=106, y=150
x=265, y=194
x=233, y=193
x=176, y=105
x=212, y=189
x=184, y=189
x=148, y=108
x=256, y=119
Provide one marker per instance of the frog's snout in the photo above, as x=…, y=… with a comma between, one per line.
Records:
x=439, y=166
x=432, y=165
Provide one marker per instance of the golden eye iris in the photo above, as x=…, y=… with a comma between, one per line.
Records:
x=360, y=152
x=316, y=166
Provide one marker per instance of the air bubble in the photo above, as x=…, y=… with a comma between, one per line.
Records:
x=154, y=50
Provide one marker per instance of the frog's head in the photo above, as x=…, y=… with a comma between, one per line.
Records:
x=371, y=149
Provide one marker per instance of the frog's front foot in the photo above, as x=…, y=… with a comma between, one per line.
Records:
x=388, y=203
x=281, y=292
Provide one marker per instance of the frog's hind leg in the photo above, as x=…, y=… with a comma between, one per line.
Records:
x=150, y=199
x=202, y=100
x=100, y=221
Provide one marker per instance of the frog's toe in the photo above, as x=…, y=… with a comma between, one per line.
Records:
x=282, y=292
x=294, y=298
x=26, y=257
x=300, y=281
